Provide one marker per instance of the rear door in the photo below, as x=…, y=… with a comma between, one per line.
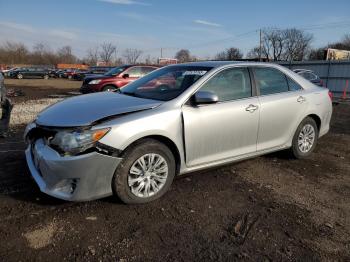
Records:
x=226, y=129
x=282, y=105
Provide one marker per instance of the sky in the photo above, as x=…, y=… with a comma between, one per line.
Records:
x=203, y=27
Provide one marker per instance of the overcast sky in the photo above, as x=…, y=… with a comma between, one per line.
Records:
x=203, y=27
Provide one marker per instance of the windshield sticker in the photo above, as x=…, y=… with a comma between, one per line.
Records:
x=196, y=73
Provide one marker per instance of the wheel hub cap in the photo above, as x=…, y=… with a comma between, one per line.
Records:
x=306, y=138
x=147, y=175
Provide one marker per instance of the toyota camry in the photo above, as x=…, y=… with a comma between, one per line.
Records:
x=132, y=142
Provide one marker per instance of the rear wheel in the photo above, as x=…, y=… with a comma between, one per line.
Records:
x=305, y=139
x=109, y=88
x=145, y=173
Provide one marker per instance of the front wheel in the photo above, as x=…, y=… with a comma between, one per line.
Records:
x=109, y=88
x=20, y=76
x=305, y=139
x=145, y=173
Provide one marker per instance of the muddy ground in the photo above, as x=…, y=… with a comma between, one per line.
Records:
x=270, y=208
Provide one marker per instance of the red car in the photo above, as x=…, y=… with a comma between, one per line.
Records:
x=115, y=78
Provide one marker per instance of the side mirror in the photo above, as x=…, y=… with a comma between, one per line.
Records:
x=125, y=76
x=205, y=97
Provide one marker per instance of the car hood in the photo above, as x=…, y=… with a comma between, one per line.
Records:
x=84, y=110
x=95, y=77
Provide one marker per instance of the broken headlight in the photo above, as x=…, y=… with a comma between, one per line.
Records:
x=75, y=142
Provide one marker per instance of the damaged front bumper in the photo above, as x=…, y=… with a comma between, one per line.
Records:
x=74, y=178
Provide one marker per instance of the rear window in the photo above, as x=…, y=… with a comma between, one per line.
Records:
x=270, y=80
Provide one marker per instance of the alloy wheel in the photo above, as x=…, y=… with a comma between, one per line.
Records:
x=148, y=175
x=306, y=138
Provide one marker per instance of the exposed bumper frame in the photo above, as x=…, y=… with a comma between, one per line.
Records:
x=92, y=173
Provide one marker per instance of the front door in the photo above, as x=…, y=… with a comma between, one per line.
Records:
x=226, y=129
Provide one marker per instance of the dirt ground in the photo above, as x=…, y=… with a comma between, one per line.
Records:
x=270, y=208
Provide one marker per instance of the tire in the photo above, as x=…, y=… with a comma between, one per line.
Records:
x=19, y=76
x=109, y=88
x=297, y=145
x=121, y=184
x=46, y=77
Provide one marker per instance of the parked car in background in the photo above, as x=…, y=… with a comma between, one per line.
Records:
x=309, y=75
x=133, y=142
x=100, y=69
x=53, y=73
x=31, y=72
x=66, y=73
x=7, y=72
x=79, y=74
x=116, y=78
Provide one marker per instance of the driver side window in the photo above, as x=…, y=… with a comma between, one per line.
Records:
x=230, y=84
x=134, y=72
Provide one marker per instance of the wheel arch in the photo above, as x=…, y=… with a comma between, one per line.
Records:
x=167, y=142
x=317, y=120
x=109, y=84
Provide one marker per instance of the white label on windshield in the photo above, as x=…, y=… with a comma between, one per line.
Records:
x=196, y=73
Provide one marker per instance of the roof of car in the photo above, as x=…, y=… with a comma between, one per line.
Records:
x=216, y=64
x=210, y=63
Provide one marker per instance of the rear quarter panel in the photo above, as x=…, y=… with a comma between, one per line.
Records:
x=320, y=104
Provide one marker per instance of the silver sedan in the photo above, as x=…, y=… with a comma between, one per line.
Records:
x=178, y=119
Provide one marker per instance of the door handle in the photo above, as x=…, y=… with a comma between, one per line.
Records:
x=301, y=99
x=251, y=108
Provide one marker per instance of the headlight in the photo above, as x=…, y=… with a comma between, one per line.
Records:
x=72, y=143
x=94, y=82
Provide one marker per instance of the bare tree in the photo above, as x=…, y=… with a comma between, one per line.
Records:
x=107, y=51
x=92, y=55
x=132, y=55
x=317, y=54
x=43, y=55
x=296, y=44
x=254, y=53
x=13, y=52
x=229, y=54
x=183, y=56
x=273, y=44
x=65, y=55
x=346, y=41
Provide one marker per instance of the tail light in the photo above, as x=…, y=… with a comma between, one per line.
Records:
x=330, y=94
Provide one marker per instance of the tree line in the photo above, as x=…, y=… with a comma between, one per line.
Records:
x=276, y=45
x=42, y=54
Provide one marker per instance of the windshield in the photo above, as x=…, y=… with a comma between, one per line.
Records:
x=166, y=83
x=116, y=71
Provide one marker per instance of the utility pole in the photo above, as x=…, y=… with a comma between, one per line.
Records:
x=161, y=52
x=260, y=46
